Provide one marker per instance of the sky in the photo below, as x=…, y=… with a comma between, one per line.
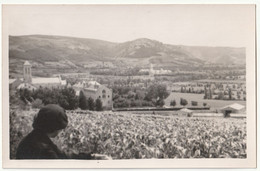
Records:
x=195, y=25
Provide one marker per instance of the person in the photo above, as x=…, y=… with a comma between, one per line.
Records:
x=47, y=124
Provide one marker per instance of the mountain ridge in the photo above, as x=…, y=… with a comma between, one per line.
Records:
x=138, y=52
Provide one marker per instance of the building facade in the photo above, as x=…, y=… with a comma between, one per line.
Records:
x=29, y=82
x=96, y=91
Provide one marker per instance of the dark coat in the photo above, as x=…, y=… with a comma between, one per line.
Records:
x=37, y=145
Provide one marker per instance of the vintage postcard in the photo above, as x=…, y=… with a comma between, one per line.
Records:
x=129, y=86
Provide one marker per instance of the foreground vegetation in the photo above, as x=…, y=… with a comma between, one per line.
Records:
x=128, y=136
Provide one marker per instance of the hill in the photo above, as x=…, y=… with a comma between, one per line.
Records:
x=70, y=52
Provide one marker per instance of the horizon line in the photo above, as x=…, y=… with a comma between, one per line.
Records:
x=218, y=46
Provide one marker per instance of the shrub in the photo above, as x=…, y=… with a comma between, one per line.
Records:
x=91, y=104
x=37, y=103
x=82, y=101
x=98, y=105
x=194, y=103
x=183, y=102
x=173, y=103
x=160, y=102
x=189, y=115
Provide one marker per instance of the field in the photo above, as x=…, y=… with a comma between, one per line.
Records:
x=128, y=136
x=214, y=104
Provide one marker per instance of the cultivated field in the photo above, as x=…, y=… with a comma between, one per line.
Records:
x=214, y=104
x=127, y=136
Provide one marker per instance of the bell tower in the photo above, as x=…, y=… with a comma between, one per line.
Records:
x=27, y=72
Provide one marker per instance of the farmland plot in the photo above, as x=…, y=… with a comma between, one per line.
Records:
x=137, y=136
x=214, y=104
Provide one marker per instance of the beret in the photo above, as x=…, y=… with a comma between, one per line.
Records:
x=50, y=118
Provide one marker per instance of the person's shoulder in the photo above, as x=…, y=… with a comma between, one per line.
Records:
x=48, y=151
x=33, y=143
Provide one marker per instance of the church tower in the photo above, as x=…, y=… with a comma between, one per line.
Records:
x=27, y=72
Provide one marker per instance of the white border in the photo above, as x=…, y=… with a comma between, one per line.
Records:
x=250, y=162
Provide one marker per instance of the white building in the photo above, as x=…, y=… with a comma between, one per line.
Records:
x=233, y=108
x=95, y=90
x=153, y=72
x=31, y=83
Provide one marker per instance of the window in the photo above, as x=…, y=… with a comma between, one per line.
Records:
x=103, y=93
x=99, y=96
x=108, y=96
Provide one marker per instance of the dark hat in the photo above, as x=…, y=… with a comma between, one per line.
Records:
x=50, y=118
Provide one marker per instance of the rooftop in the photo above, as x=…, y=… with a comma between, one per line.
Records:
x=40, y=80
x=235, y=106
x=186, y=110
x=26, y=63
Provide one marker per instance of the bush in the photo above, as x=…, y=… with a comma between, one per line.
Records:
x=133, y=104
x=91, y=104
x=183, y=102
x=160, y=102
x=173, y=103
x=82, y=101
x=155, y=91
x=65, y=97
x=189, y=115
x=98, y=105
x=146, y=103
x=194, y=103
x=37, y=104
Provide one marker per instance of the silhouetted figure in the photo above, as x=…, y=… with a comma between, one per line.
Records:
x=47, y=124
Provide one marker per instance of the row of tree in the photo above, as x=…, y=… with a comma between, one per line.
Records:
x=65, y=97
x=184, y=102
x=153, y=96
x=89, y=103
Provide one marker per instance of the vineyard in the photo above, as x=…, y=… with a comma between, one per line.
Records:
x=128, y=136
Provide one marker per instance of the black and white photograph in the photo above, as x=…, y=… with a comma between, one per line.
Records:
x=162, y=85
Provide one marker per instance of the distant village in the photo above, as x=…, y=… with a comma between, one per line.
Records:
x=95, y=87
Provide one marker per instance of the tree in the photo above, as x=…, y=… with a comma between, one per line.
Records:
x=25, y=95
x=156, y=91
x=160, y=102
x=220, y=95
x=98, y=105
x=210, y=94
x=37, y=103
x=173, y=103
x=206, y=93
x=133, y=104
x=183, y=102
x=82, y=101
x=136, y=96
x=229, y=94
x=91, y=104
x=238, y=96
x=68, y=99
